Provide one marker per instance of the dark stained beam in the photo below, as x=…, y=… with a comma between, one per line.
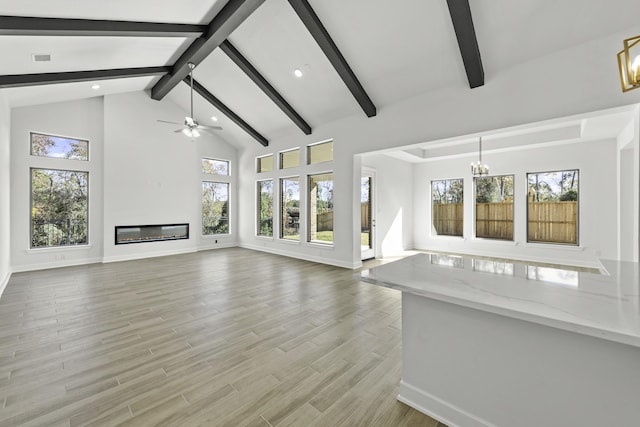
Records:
x=322, y=37
x=32, y=26
x=465, y=33
x=263, y=84
x=203, y=92
x=19, y=80
x=225, y=22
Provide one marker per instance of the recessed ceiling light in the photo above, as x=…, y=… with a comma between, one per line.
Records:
x=297, y=72
x=214, y=118
x=95, y=86
x=41, y=57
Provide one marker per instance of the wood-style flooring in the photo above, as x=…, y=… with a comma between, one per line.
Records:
x=229, y=337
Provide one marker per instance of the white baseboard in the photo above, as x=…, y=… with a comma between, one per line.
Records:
x=438, y=409
x=217, y=246
x=130, y=257
x=5, y=282
x=55, y=264
x=319, y=260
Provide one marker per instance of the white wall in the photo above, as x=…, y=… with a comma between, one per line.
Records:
x=598, y=202
x=394, y=204
x=543, y=88
x=153, y=175
x=78, y=119
x=5, y=168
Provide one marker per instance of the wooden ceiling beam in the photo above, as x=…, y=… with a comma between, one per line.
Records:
x=33, y=26
x=225, y=22
x=21, y=80
x=460, y=12
x=251, y=72
x=209, y=97
x=309, y=18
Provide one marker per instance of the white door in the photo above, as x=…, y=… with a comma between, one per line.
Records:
x=367, y=214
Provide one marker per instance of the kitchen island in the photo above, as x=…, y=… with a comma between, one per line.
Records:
x=509, y=343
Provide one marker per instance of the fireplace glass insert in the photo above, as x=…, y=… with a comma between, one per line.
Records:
x=126, y=234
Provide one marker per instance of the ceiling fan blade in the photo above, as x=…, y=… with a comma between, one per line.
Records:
x=209, y=127
x=173, y=123
x=207, y=130
x=178, y=130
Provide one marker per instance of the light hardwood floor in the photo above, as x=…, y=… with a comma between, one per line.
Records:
x=230, y=337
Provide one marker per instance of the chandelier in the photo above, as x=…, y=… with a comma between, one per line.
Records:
x=629, y=64
x=478, y=168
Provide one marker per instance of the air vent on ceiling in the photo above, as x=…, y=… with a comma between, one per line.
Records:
x=41, y=57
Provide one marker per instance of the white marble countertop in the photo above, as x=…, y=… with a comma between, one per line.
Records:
x=605, y=305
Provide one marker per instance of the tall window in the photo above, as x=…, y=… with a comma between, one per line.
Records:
x=265, y=208
x=290, y=208
x=59, y=208
x=215, y=167
x=321, y=208
x=494, y=207
x=447, y=206
x=290, y=159
x=552, y=211
x=215, y=208
x=59, y=147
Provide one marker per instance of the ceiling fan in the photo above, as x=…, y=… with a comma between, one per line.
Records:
x=191, y=127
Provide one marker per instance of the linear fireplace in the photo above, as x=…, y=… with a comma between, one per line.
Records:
x=126, y=234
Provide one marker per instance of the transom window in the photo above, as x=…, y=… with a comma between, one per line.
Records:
x=59, y=147
x=290, y=159
x=215, y=167
x=320, y=152
x=264, y=163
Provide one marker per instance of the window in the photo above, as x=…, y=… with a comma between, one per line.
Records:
x=552, y=207
x=215, y=208
x=59, y=147
x=59, y=208
x=265, y=208
x=494, y=207
x=321, y=208
x=320, y=152
x=265, y=163
x=215, y=167
x=447, y=206
x=290, y=208
x=290, y=159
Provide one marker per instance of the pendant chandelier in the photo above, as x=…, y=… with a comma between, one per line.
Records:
x=478, y=168
x=629, y=64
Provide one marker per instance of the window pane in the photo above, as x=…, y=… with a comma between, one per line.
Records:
x=290, y=159
x=59, y=147
x=215, y=208
x=494, y=207
x=321, y=208
x=318, y=153
x=59, y=208
x=290, y=208
x=552, y=213
x=215, y=167
x=447, y=206
x=265, y=164
x=265, y=208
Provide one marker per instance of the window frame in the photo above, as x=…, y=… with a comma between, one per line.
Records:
x=577, y=222
x=228, y=202
x=228, y=162
x=31, y=246
x=281, y=208
x=475, y=208
x=259, y=207
x=434, y=232
x=310, y=214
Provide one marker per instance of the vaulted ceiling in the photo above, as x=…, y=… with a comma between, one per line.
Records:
x=357, y=56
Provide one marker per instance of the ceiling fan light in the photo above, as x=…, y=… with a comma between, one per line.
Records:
x=187, y=132
x=195, y=133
